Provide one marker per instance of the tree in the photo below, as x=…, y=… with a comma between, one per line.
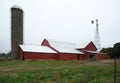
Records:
x=103, y=50
x=9, y=54
x=116, y=53
x=116, y=50
x=112, y=52
x=108, y=51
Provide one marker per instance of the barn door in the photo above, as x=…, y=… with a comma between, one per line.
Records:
x=78, y=57
x=91, y=56
x=23, y=58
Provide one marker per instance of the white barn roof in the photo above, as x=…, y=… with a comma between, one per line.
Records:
x=82, y=44
x=64, y=47
x=36, y=48
x=61, y=44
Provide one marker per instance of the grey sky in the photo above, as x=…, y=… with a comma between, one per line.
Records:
x=64, y=20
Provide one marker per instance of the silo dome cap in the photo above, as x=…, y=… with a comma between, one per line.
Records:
x=17, y=6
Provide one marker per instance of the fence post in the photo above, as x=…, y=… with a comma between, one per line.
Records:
x=115, y=69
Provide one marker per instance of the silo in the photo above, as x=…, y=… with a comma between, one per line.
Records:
x=16, y=30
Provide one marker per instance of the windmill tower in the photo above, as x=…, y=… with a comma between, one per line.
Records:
x=97, y=37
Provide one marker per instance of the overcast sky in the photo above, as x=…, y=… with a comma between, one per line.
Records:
x=64, y=20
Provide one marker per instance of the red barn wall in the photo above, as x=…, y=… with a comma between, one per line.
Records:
x=101, y=56
x=98, y=56
x=60, y=56
x=20, y=53
x=34, y=56
x=80, y=56
x=84, y=56
x=67, y=56
x=29, y=55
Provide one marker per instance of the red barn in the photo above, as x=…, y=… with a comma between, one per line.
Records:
x=35, y=52
x=57, y=50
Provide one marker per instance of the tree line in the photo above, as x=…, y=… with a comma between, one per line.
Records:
x=112, y=51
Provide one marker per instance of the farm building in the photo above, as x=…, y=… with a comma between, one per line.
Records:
x=57, y=50
x=35, y=52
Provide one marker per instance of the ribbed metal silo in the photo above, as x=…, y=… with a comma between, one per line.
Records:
x=16, y=30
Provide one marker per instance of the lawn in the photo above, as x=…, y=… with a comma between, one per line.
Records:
x=52, y=71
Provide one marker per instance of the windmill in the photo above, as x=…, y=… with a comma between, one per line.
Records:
x=96, y=37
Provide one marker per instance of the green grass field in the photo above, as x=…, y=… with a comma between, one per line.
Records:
x=58, y=71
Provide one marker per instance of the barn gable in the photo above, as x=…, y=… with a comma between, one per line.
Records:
x=87, y=46
x=91, y=46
